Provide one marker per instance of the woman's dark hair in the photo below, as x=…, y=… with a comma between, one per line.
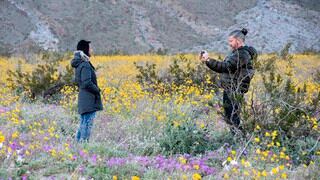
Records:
x=240, y=34
x=84, y=46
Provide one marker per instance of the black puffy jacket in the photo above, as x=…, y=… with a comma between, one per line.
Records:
x=236, y=70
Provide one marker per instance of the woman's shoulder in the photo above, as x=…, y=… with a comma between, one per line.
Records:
x=85, y=64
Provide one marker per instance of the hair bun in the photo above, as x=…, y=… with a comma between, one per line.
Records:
x=244, y=31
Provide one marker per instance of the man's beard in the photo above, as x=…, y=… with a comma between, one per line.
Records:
x=232, y=48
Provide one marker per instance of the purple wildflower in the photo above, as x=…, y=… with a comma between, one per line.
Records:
x=116, y=162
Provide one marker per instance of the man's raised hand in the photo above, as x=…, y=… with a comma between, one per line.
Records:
x=204, y=56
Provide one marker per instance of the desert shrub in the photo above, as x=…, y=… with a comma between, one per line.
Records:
x=180, y=137
x=285, y=106
x=181, y=72
x=316, y=76
x=116, y=52
x=310, y=51
x=303, y=149
x=296, y=150
x=285, y=52
x=147, y=74
x=159, y=51
x=45, y=80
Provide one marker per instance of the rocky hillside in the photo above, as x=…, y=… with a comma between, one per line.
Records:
x=138, y=26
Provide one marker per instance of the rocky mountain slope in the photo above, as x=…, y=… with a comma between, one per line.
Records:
x=138, y=26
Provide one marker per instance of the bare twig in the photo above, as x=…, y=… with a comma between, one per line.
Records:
x=315, y=145
x=245, y=147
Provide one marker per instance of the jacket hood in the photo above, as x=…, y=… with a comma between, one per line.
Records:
x=252, y=51
x=79, y=57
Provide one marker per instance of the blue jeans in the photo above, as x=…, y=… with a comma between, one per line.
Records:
x=86, y=122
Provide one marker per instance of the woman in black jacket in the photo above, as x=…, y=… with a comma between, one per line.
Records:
x=89, y=98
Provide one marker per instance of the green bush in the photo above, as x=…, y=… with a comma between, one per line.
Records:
x=45, y=80
x=283, y=107
x=147, y=74
x=184, y=137
x=180, y=72
x=316, y=76
x=158, y=51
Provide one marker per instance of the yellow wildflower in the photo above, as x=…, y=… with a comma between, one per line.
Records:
x=196, y=176
x=287, y=158
x=274, y=171
x=258, y=127
x=257, y=140
x=281, y=167
x=311, y=162
x=184, y=177
x=15, y=135
x=265, y=153
x=202, y=125
x=182, y=160
x=246, y=173
x=284, y=176
x=235, y=170
x=267, y=134
x=258, y=151
x=2, y=138
x=264, y=173
x=135, y=178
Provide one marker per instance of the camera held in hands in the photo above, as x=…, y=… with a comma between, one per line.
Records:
x=202, y=53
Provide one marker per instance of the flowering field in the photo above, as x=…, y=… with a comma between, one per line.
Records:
x=175, y=134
